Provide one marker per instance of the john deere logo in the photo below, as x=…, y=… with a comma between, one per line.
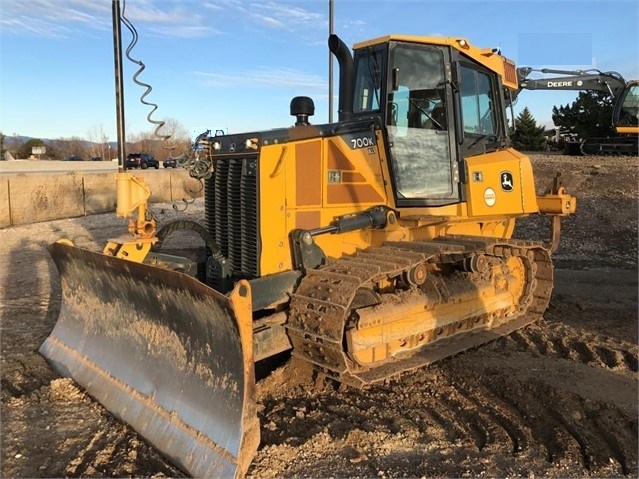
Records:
x=507, y=181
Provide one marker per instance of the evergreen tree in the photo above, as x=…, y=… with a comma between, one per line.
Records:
x=589, y=116
x=25, y=150
x=527, y=135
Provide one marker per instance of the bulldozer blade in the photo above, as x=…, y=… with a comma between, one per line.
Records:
x=163, y=352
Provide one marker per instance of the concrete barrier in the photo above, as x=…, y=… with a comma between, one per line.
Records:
x=99, y=193
x=5, y=213
x=33, y=198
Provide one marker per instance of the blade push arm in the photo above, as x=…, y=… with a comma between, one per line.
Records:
x=132, y=199
x=556, y=203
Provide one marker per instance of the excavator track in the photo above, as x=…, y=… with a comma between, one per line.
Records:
x=363, y=318
x=619, y=145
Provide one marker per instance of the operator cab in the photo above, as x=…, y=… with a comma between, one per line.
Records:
x=627, y=108
x=439, y=106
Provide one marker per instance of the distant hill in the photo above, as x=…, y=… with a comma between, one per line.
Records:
x=12, y=141
x=58, y=149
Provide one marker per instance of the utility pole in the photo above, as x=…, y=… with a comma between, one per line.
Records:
x=330, y=64
x=119, y=85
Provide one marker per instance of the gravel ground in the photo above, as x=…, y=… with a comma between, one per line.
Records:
x=555, y=399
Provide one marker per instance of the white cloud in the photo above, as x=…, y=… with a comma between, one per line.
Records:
x=271, y=22
x=212, y=6
x=182, y=31
x=272, y=78
x=65, y=18
x=147, y=12
x=221, y=4
x=286, y=17
x=50, y=18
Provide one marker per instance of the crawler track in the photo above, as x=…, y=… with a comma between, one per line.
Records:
x=323, y=305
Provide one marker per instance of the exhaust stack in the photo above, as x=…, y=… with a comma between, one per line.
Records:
x=346, y=74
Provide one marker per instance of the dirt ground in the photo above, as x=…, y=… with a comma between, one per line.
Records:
x=555, y=399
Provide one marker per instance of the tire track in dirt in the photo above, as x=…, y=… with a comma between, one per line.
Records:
x=566, y=424
x=480, y=401
x=502, y=422
x=563, y=426
x=558, y=442
x=559, y=341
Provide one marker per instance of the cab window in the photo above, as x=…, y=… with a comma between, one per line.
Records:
x=629, y=114
x=368, y=82
x=477, y=101
x=417, y=125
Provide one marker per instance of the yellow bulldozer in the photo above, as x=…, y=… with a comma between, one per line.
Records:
x=368, y=247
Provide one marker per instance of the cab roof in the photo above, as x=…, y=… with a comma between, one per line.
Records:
x=491, y=58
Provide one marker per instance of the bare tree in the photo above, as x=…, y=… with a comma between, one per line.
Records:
x=179, y=142
x=156, y=143
x=139, y=142
x=72, y=146
x=175, y=130
x=99, y=145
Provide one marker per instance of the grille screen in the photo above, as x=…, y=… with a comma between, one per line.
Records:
x=510, y=72
x=231, y=213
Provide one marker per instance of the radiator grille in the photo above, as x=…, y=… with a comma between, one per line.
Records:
x=231, y=213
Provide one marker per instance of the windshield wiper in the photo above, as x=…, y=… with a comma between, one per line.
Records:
x=483, y=137
x=435, y=122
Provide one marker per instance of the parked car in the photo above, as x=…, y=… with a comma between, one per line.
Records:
x=95, y=158
x=170, y=163
x=74, y=158
x=141, y=160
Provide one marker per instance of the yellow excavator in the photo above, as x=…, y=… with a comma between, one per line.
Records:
x=369, y=247
x=624, y=93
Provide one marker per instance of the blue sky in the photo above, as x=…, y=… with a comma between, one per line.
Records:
x=235, y=64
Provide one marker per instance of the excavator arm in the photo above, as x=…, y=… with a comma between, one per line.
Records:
x=594, y=80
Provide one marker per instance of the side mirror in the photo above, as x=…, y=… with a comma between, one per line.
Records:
x=393, y=112
x=395, y=79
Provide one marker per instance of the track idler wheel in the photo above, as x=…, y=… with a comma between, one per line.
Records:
x=416, y=275
x=477, y=263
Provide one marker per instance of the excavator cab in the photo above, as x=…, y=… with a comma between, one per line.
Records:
x=626, y=113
